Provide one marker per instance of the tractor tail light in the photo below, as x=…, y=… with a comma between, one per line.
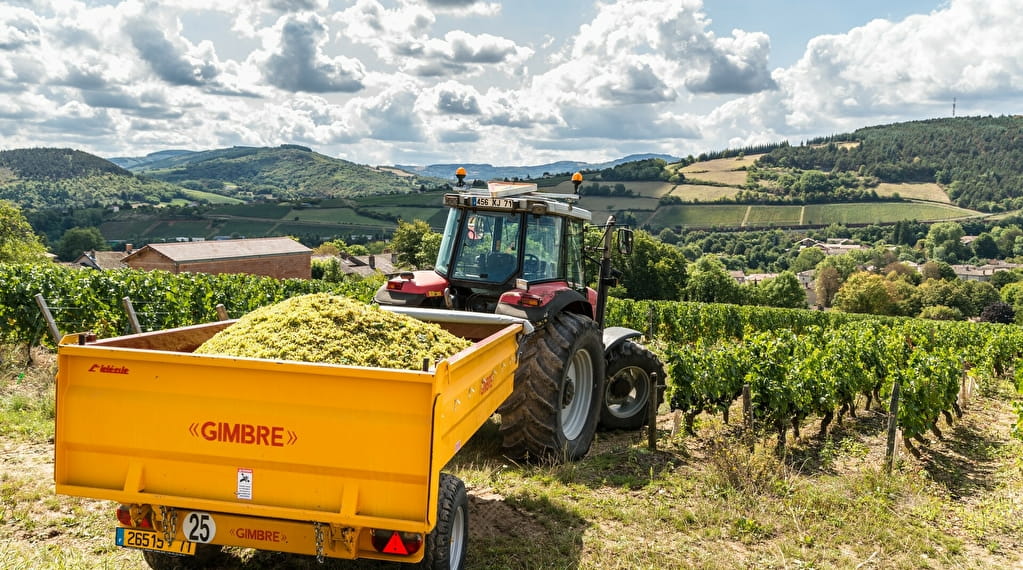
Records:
x=395, y=285
x=530, y=300
x=394, y=542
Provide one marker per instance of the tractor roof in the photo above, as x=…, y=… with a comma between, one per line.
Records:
x=517, y=196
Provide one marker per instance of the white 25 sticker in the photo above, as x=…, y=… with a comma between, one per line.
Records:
x=199, y=527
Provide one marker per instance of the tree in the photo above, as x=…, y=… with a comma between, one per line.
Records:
x=998, y=312
x=783, y=291
x=866, y=293
x=941, y=313
x=807, y=259
x=78, y=240
x=985, y=247
x=709, y=282
x=827, y=284
x=937, y=270
x=413, y=245
x=18, y=243
x=655, y=270
x=944, y=242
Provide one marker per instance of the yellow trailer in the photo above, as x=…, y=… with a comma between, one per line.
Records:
x=316, y=459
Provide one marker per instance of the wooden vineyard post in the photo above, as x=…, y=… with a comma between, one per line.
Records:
x=221, y=312
x=652, y=420
x=132, y=317
x=747, y=415
x=893, y=416
x=51, y=324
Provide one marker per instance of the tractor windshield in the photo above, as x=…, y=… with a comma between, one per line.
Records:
x=486, y=246
x=495, y=247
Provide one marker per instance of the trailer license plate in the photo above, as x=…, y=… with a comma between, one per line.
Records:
x=151, y=540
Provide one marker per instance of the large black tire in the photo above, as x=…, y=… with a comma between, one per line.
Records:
x=553, y=410
x=446, y=545
x=627, y=387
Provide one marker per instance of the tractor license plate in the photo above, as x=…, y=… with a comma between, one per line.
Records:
x=151, y=540
x=499, y=203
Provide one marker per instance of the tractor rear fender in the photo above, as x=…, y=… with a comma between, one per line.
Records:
x=552, y=302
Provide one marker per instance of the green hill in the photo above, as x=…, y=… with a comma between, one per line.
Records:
x=976, y=159
x=62, y=178
x=288, y=172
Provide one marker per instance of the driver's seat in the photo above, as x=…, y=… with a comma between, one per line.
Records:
x=499, y=266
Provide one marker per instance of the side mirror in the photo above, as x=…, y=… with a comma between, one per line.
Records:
x=624, y=241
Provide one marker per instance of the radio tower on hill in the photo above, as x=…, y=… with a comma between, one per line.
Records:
x=953, y=107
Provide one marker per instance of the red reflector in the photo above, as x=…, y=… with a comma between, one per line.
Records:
x=395, y=546
x=395, y=285
x=124, y=515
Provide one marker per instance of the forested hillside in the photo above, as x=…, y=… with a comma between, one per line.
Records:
x=286, y=172
x=977, y=159
x=54, y=164
x=55, y=178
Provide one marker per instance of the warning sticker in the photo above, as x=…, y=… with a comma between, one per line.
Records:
x=244, y=484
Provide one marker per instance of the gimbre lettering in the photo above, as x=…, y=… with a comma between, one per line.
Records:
x=246, y=434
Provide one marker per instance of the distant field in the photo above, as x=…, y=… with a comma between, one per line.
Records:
x=268, y=211
x=881, y=212
x=640, y=189
x=700, y=215
x=181, y=228
x=774, y=216
x=721, y=170
x=211, y=197
x=330, y=216
x=702, y=192
x=927, y=191
x=434, y=216
x=434, y=199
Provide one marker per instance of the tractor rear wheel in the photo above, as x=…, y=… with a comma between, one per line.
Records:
x=627, y=388
x=554, y=408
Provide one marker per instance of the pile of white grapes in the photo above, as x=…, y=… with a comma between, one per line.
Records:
x=332, y=329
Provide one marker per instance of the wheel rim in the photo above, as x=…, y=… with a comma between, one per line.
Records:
x=576, y=395
x=457, y=538
x=627, y=392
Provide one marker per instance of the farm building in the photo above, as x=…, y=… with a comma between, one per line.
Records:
x=101, y=260
x=279, y=257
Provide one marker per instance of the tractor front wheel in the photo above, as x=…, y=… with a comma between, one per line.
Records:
x=554, y=408
x=627, y=388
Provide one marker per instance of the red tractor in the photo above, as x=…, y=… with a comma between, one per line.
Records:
x=512, y=250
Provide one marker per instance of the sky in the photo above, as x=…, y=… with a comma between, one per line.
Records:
x=507, y=83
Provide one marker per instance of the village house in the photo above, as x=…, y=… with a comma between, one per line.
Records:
x=279, y=257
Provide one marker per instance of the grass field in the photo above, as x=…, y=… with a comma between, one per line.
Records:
x=774, y=215
x=703, y=192
x=929, y=191
x=211, y=197
x=268, y=211
x=639, y=189
x=721, y=170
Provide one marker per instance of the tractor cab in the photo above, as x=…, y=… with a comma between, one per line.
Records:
x=499, y=239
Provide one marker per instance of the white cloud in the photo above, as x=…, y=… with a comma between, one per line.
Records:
x=295, y=60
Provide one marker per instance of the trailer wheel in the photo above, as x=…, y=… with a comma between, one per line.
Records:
x=627, y=388
x=446, y=545
x=555, y=405
x=206, y=556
